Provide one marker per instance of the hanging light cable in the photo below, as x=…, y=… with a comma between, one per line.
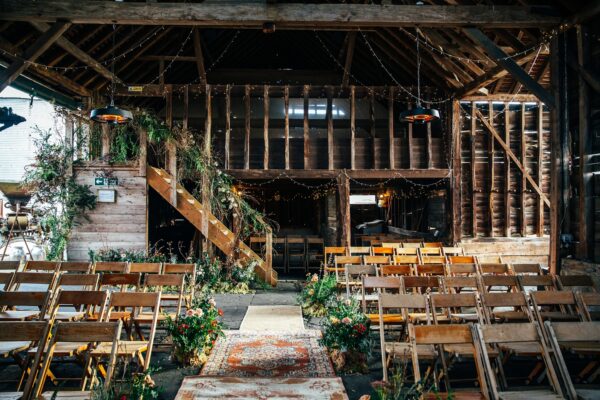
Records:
x=111, y=114
x=419, y=114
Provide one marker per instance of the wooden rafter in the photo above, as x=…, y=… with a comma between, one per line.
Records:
x=42, y=44
x=199, y=56
x=349, y=56
x=287, y=15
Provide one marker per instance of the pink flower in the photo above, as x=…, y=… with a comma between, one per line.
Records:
x=314, y=278
x=346, y=320
x=212, y=302
x=198, y=312
x=189, y=313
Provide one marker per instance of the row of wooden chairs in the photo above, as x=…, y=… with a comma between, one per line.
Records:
x=98, y=266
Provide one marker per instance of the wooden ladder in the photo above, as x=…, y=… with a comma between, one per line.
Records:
x=218, y=233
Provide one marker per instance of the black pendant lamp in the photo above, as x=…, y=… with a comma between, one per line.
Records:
x=111, y=114
x=419, y=114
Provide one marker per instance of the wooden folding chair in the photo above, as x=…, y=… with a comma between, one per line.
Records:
x=296, y=253
x=189, y=270
x=16, y=337
x=494, y=269
x=458, y=284
x=500, y=283
x=396, y=270
x=583, y=339
x=446, y=337
x=429, y=270
x=407, y=251
x=354, y=275
x=101, y=334
x=555, y=306
x=376, y=260
x=452, y=251
x=433, y=259
x=47, y=266
x=455, y=308
x=359, y=251
x=10, y=266
x=400, y=304
x=431, y=252
x=530, y=283
x=10, y=301
x=36, y=281
x=80, y=281
x=433, y=245
x=589, y=305
x=314, y=253
x=329, y=255
x=145, y=268
x=406, y=259
x=110, y=266
x=370, y=289
x=421, y=284
x=382, y=251
x=527, y=269
x=134, y=303
x=505, y=307
x=120, y=281
x=172, y=284
x=576, y=283
x=526, y=336
x=462, y=260
x=77, y=305
x=461, y=269
x=83, y=267
x=339, y=265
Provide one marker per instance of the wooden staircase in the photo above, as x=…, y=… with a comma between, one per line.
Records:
x=192, y=210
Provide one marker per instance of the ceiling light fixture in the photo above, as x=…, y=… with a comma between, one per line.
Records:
x=111, y=114
x=419, y=114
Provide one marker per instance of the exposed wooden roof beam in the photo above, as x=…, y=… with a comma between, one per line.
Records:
x=349, y=55
x=33, y=52
x=199, y=56
x=284, y=15
x=510, y=65
x=78, y=53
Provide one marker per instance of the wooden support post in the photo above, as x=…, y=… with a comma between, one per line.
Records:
x=428, y=146
x=286, y=105
x=247, y=125
x=70, y=141
x=391, y=127
x=269, y=250
x=169, y=105
x=523, y=179
x=199, y=56
x=206, y=185
x=410, y=143
x=208, y=122
x=105, y=141
x=372, y=127
x=586, y=219
x=344, y=210
x=507, y=224
x=540, y=169
x=492, y=174
x=143, y=160
x=456, y=173
x=474, y=187
x=186, y=107
x=266, y=126
x=352, y=127
x=227, y=126
x=329, y=116
x=349, y=55
x=306, y=128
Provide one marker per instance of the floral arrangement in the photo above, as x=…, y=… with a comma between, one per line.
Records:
x=399, y=387
x=317, y=292
x=346, y=335
x=195, y=332
x=137, y=386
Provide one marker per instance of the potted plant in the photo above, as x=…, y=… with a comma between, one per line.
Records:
x=317, y=292
x=346, y=336
x=194, y=333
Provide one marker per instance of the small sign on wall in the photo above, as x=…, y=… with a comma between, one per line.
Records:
x=107, y=196
x=102, y=181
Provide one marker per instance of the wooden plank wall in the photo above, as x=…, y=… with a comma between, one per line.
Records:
x=120, y=225
x=496, y=199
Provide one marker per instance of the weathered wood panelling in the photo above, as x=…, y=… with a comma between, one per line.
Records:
x=112, y=225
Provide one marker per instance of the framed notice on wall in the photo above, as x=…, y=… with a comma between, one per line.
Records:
x=107, y=196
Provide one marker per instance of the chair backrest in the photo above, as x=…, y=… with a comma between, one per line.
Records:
x=147, y=268
x=90, y=302
x=429, y=269
x=453, y=251
x=461, y=269
x=433, y=260
x=354, y=274
x=517, y=301
x=462, y=260
x=121, y=280
x=418, y=284
x=41, y=266
x=404, y=303
x=589, y=304
x=30, y=331
x=331, y=252
x=494, y=269
x=89, y=332
x=341, y=261
x=545, y=282
x=436, y=245
x=393, y=245
x=87, y=281
x=359, y=250
x=570, y=333
x=450, y=302
x=296, y=245
x=561, y=303
x=407, y=251
x=190, y=272
x=395, y=270
x=26, y=299
x=507, y=283
x=6, y=279
x=376, y=260
x=405, y=259
x=576, y=282
x=75, y=266
x=527, y=269
x=431, y=251
x=48, y=279
x=10, y=265
x=379, y=282
x=110, y=266
x=168, y=281
x=455, y=284
x=383, y=251
x=411, y=245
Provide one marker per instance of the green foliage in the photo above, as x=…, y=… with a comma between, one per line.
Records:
x=136, y=256
x=136, y=386
x=317, y=292
x=213, y=277
x=194, y=333
x=156, y=130
x=401, y=388
x=346, y=328
x=125, y=145
x=60, y=198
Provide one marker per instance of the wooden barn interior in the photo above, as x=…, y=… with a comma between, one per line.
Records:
x=301, y=105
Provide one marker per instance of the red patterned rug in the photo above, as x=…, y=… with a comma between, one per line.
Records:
x=269, y=354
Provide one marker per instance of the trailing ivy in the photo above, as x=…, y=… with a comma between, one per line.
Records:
x=60, y=199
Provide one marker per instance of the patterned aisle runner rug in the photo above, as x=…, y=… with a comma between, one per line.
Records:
x=204, y=387
x=292, y=354
x=273, y=318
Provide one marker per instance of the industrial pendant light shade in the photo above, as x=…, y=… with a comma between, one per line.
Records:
x=111, y=115
x=419, y=115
